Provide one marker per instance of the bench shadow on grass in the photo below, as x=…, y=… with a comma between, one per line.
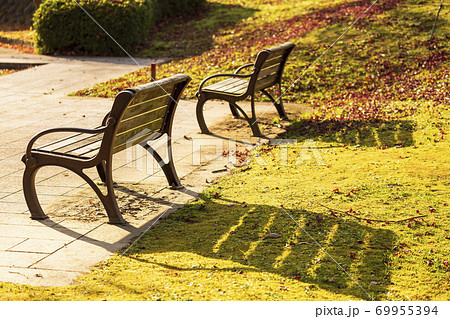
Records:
x=339, y=255
x=181, y=37
x=371, y=133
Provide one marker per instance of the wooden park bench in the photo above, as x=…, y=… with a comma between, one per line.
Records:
x=266, y=72
x=138, y=115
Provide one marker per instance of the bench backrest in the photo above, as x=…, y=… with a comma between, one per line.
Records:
x=270, y=64
x=145, y=111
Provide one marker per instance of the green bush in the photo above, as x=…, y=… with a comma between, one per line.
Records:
x=63, y=27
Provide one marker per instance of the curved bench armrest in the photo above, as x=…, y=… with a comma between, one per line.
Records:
x=243, y=67
x=97, y=130
x=222, y=75
x=105, y=119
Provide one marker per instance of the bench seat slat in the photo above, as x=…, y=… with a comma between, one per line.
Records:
x=236, y=86
x=233, y=87
x=73, y=148
x=86, y=151
x=74, y=145
x=61, y=142
x=223, y=84
x=57, y=144
x=93, y=147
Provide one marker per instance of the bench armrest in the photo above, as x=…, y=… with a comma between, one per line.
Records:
x=222, y=75
x=101, y=129
x=243, y=67
x=105, y=119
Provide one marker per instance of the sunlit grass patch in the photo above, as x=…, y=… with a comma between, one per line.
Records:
x=6, y=71
x=17, y=37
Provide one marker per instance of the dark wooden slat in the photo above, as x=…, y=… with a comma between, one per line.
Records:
x=145, y=130
x=230, y=87
x=268, y=71
x=238, y=85
x=265, y=82
x=277, y=51
x=82, y=151
x=92, y=149
x=238, y=89
x=144, y=116
x=92, y=153
x=272, y=61
x=61, y=142
x=73, y=147
x=146, y=106
x=163, y=89
x=136, y=139
x=72, y=144
x=222, y=84
x=142, y=119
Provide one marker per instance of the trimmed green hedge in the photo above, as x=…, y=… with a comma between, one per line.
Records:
x=63, y=27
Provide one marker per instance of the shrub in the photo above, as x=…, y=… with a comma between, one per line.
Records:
x=63, y=27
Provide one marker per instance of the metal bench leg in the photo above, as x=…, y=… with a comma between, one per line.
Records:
x=29, y=190
x=169, y=168
x=278, y=105
x=253, y=121
x=108, y=200
x=200, y=118
x=171, y=175
x=234, y=111
x=101, y=172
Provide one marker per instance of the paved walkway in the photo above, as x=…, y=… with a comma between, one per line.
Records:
x=55, y=251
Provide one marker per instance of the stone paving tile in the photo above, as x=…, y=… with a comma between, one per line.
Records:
x=13, y=160
x=74, y=193
x=78, y=226
x=38, y=277
x=23, y=219
x=63, y=178
x=16, y=196
x=130, y=174
x=17, y=208
x=18, y=259
x=47, y=246
x=107, y=235
x=9, y=242
x=74, y=256
x=5, y=152
x=53, y=190
x=37, y=231
x=46, y=173
x=6, y=171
